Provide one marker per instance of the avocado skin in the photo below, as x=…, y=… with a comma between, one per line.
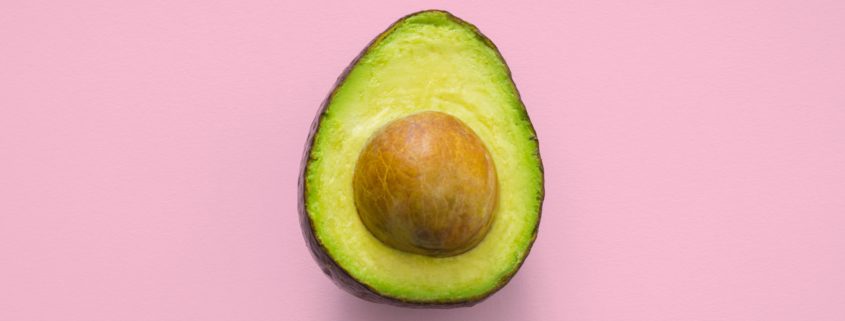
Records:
x=330, y=267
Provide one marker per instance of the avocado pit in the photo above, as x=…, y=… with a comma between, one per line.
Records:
x=426, y=184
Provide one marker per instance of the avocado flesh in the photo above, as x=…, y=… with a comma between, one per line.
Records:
x=429, y=61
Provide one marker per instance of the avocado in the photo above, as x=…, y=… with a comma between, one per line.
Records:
x=421, y=183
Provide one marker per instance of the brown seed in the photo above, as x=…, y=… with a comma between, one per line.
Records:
x=426, y=184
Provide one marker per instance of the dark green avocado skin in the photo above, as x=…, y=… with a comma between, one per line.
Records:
x=329, y=266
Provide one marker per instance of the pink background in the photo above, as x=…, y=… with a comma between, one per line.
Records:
x=694, y=151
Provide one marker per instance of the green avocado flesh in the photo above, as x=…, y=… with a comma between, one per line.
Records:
x=429, y=61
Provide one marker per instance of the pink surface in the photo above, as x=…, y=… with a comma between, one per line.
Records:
x=149, y=152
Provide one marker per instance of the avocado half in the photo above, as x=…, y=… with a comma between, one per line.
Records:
x=429, y=62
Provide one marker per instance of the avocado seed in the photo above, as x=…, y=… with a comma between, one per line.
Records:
x=426, y=184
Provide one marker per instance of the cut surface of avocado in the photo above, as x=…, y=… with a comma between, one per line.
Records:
x=426, y=62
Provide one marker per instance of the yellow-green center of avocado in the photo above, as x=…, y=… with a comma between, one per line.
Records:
x=426, y=184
